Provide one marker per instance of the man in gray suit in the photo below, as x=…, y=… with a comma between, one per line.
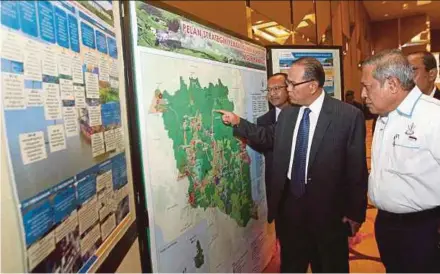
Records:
x=319, y=172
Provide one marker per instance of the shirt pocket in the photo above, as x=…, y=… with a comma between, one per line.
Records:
x=406, y=154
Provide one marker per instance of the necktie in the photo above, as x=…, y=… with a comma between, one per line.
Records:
x=298, y=186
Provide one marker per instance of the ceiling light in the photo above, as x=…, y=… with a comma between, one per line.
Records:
x=311, y=17
x=421, y=3
x=278, y=31
x=308, y=40
x=302, y=24
x=265, y=25
x=386, y=14
x=405, y=6
x=383, y=2
x=264, y=35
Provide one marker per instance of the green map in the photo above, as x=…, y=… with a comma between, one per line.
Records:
x=215, y=162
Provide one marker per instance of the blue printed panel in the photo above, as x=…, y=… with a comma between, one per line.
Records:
x=87, y=35
x=74, y=35
x=61, y=28
x=119, y=171
x=9, y=14
x=101, y=42
x=28, y=17
x=64, y=200
x=112, y=47
x=37, y=220
x=45, y=16
x=111, y=113
x=86, y=185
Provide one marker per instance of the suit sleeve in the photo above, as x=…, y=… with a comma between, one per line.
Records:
x=256, y=146
x=356, y=171
x=260, y=136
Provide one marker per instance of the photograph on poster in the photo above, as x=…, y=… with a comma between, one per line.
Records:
x=62, y=120
x=281, y=59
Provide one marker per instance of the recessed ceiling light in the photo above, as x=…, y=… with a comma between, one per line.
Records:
x=421, y=3
x=383, y=2
x=386, y=14
x=405, y=6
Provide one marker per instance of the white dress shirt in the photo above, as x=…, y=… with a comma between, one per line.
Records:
x=433, y=91
x=405, y=167
x=277, y=113
x=315, y=109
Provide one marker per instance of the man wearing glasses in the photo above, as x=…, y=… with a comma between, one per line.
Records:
x=319, y=177
x=279, y=98
x=404, y=181
x=425, y=72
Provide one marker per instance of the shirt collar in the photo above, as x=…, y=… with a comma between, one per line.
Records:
x=433, y=91
x=316, y=106
x=406, y=108
x=277, y=112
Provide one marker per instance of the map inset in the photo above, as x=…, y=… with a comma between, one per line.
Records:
x=215, y=163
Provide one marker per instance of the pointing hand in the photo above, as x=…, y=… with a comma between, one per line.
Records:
x=229, y=118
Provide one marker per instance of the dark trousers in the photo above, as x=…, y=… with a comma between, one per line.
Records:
x=303, y=243
x=408, y=242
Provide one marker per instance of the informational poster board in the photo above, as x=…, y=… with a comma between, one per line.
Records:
x=205, y=191
x=282, y=57
x=62, y=103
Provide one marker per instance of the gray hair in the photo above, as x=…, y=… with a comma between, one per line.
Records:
x=391, y=63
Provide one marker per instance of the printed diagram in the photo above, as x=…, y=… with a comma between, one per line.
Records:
x=215, y=162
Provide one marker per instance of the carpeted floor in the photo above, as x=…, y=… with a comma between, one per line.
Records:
x=364, y=256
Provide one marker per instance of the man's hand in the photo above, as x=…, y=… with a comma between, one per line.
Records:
x=354, y=225
x=229, y=118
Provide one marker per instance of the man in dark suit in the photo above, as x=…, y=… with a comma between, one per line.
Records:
x=425, y=72
x=319, y=176
x=279, y=98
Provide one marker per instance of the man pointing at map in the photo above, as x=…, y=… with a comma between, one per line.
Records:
x=319, y=172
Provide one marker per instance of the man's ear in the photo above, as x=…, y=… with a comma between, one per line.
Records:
x=313, y=87
x=393, y=84
x=432, y=74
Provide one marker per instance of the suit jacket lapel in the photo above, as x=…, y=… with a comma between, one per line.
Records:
x=324, y=121
x=273, y=117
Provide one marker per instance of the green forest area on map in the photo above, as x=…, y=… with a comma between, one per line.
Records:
x=216, y=163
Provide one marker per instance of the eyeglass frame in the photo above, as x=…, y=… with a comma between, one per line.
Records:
x=274, y=89
x=290, y=83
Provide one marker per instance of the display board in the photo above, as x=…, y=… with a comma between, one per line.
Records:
x=205, y=191
x=282, y=57
x=61, y=103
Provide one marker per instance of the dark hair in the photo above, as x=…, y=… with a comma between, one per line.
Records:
x=349, y=92
x=428, y=59
x=278, y=74
x=313, y=69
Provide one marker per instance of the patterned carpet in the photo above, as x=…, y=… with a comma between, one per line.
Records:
x=364, y=256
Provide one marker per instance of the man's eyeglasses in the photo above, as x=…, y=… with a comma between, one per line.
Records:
x=274, y=89
x=292, y=84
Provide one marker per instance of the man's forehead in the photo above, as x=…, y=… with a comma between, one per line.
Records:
x=296, y=70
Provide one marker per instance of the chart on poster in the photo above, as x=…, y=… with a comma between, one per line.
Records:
x=62, y=117
x=205, y=188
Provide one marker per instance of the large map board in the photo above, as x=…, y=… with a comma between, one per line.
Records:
x=205, y=188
